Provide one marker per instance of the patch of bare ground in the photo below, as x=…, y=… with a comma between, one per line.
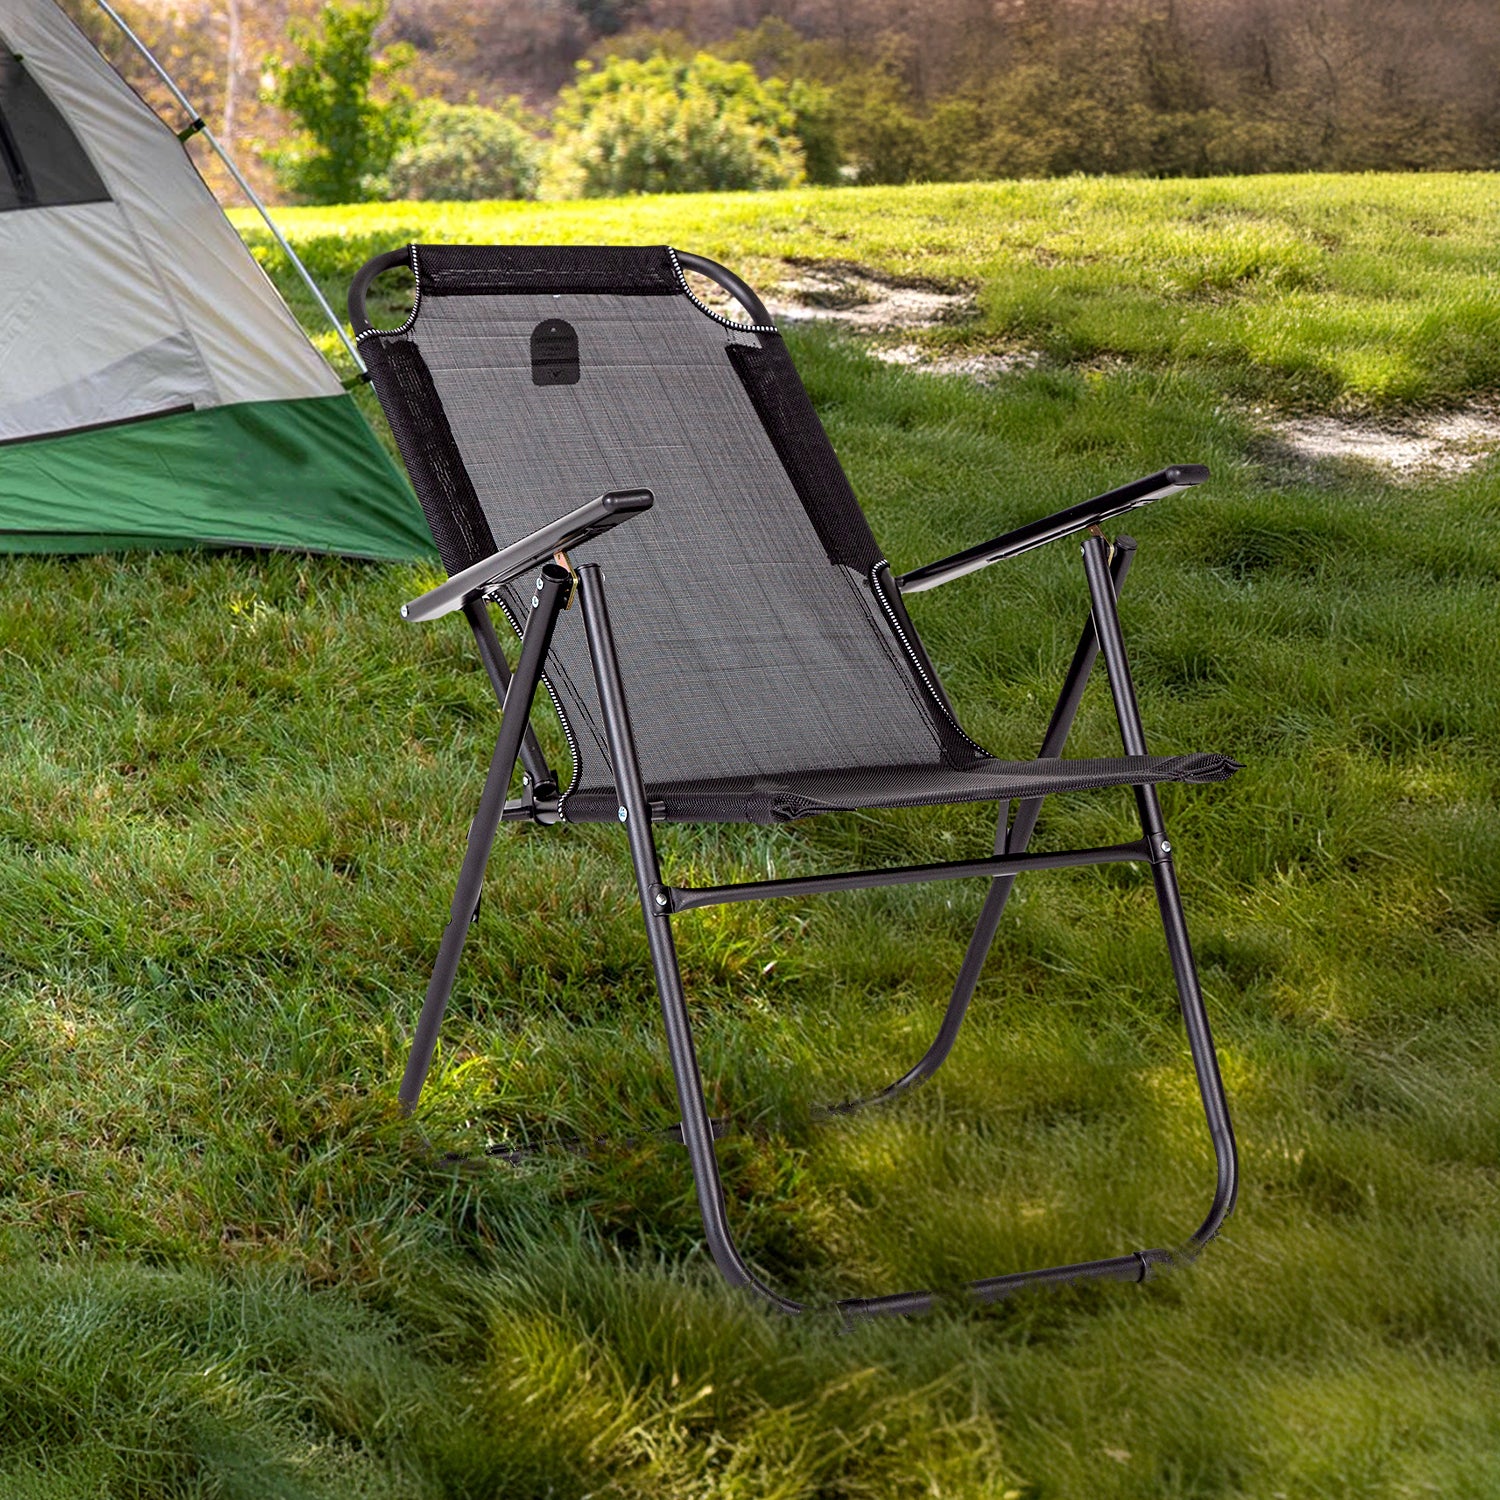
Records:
x=1414, y=447
x=856, y=298
x=859, y=299
x=850, y=295
x=983, y=368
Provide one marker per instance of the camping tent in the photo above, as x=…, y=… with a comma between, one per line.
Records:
x=155, y=391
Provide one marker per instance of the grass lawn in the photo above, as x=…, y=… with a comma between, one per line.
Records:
x=232, y=806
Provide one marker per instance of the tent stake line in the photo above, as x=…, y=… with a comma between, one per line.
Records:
x=198, y=126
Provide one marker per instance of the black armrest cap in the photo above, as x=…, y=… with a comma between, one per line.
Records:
x=599, y=515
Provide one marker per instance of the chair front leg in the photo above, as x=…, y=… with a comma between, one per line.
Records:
x=549, y=596
x=1169, y=899
x=635, y=813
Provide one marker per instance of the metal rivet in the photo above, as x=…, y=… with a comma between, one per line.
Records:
x=1166, y=848
x=661, y=899
x=535, y=601
x=541, y=583
x=623, y=814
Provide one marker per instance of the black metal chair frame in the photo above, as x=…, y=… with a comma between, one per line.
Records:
x=1105, y=567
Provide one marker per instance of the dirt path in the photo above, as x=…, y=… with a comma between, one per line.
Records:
x=855, y=298
x=1446, y=444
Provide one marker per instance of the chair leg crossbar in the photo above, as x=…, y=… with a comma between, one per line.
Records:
x=1105, y=569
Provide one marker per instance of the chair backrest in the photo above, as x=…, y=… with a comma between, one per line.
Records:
x=758, y=628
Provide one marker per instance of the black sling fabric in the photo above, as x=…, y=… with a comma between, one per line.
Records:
x=801, y=444
x=401, y=380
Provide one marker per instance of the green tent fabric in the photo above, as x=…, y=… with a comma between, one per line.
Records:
x=306, y=474
x=155, y=391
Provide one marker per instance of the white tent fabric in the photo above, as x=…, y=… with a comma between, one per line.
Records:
x=143, y=304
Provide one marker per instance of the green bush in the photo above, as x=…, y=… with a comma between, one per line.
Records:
x=884, y=139
x=466, y=152
x=672, y=125
x=815, y=123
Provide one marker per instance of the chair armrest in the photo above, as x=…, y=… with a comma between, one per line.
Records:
x=1035, y=533
x=509, y=563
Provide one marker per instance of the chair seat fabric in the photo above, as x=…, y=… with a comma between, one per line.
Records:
x=801, y=794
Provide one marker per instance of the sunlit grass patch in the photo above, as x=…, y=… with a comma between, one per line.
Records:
x=1372, y=291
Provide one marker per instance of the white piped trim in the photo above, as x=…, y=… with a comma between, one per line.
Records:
x=416, y=271
x=704, y=307
x=914, y=658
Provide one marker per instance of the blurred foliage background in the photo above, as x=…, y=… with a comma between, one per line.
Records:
x=685, y=95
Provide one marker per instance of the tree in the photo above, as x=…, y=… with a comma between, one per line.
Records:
x=672, y=125
x=346, y=137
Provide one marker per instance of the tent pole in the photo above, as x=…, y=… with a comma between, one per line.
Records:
x=234, y=172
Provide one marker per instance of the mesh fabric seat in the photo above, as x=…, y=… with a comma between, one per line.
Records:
x=755, y=661
x=802, y=794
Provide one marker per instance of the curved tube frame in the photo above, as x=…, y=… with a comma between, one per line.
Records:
x=696, y=1125
x=379, y=264
x=731, y=283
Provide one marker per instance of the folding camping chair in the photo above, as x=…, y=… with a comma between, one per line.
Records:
x=754, y=662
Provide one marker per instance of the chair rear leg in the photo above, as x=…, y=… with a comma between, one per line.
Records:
x=549, y=596
x=963, y=990
x=1013, y=840
x=477, y=613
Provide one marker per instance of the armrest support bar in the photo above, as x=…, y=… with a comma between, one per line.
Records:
x=1049, y=528
x=509, y=563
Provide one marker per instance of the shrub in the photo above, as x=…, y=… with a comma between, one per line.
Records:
x=815, y=124
x=672, y=125
x=884, y=138
x=465, y=152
